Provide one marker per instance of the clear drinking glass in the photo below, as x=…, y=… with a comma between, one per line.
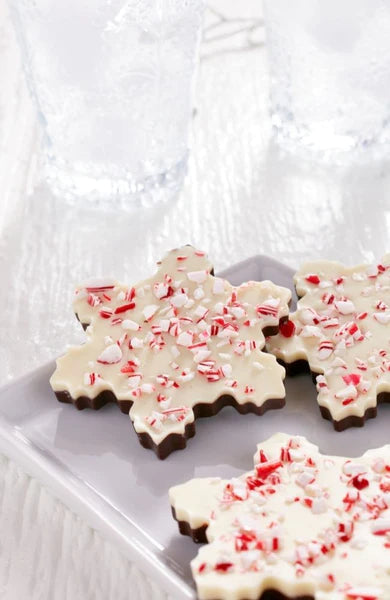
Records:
x=330, y=75
x=112, y=81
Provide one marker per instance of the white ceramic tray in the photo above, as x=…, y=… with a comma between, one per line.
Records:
x=94, y=463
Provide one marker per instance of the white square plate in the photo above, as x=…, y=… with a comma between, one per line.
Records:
x=94, y=463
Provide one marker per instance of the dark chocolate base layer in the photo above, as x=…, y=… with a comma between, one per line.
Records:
x=199, y=536
x=275, y=595
x=302, y=366
x=176, y=441
x=173, y=441
x=100, y=400
x=272, y=594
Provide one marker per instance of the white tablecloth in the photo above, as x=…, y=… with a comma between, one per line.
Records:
x=241, y=197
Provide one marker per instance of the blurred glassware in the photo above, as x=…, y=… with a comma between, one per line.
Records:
x=112, y=81
x=330, y=76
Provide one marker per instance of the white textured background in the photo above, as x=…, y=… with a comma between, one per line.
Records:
x=241, y=197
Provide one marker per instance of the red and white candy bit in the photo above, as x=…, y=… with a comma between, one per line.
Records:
x=269, y=308
x=328, y=298
x=130, y=325
x=164, y=401
x=235, y=490
x=325, y=349
x=321, y=382
x=133, y=381
x=149, y=311
x=111, y=355
x=116, y=321
x=162, y=290
x=130, y=295
x=344, y=307
x=381, y=527
x=264, y=469
x=380, y=305
x=131, y=365
x=382, y=317
x=312, y=278
x=364, y=593
x=93, y=300
x=285, y=455
x=254, y=523
x=223, y=567
x=329, y=322
x=308, y=316
x=352, y=378
x=197, y=276
x=173, y=415
x=249, y=389
x=124, y=308
x=91, y=378
x=262, y=456
x=97, y=285
x=287, y=328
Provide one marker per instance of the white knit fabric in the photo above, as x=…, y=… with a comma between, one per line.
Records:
x=49, y=553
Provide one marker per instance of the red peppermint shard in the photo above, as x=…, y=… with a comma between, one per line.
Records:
x=287, y=328
x=314, y=279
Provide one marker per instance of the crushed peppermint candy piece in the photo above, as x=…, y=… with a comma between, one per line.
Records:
x=314, y=279
x=179, y=299
x=364, y=593
x=130, y=325
x=311, y=331
x=197, y=276
x=92, y=378
x=149, y=311
x=342, y=333
x=381, y=527
x=272, y=522
x=287, y=328
x=182, y=330
x=111, y=355
x=383, y=318
x=345, y=307
x=98, y=285
x=136, y=342
x=185, y=338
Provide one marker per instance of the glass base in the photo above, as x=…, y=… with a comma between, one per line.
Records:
x=125, y=193
x=321, y=143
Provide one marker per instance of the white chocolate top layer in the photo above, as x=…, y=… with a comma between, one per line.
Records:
x=180, y=338
x=342, y=328
x=300, y=523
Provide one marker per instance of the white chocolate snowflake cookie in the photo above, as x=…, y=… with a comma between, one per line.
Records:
x=300, y=525
x=342, y=330
x=177, y=346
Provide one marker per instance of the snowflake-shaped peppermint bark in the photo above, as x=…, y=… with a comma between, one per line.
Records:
x=342, y=329
x=301, y=524
x=179, y=345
